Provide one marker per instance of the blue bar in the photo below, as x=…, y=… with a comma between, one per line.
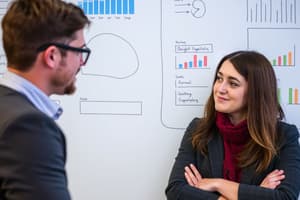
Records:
x=85, y=7
x=119, y=6
x=107, y=6
x=200, y=63
x=113, y=6
x=125, y=6
x=190, y=64
x=80, y=4
x=101, y=7
x=180, y=66
x=131, y=6
x=90, y=11
x=96, y=7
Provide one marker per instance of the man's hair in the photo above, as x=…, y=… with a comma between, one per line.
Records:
x=28, y=24
x=262, y=113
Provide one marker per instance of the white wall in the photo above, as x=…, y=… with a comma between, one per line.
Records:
x=124, y=124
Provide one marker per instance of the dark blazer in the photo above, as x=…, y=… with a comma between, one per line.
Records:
x=32, y=151
x=211, y=166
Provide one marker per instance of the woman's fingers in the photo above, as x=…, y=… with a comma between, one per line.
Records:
x=188, y=179
x=192, y=175
x=196, y=172
x=273, y=179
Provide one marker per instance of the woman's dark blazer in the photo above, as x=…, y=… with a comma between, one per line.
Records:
x=288, y=159
x=32, y=152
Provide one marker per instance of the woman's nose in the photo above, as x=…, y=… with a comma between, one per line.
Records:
x=222, y=87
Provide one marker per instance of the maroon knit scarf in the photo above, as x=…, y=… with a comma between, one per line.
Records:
x=234, y=139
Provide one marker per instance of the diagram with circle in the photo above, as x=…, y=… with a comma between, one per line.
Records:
x=112, y=56
x=196, y=8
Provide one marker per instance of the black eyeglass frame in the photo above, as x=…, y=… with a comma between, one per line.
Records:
x=66, y=47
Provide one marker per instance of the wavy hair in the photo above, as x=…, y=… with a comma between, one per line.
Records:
x=263, y=110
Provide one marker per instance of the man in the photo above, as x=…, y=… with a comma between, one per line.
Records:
x=45, y=48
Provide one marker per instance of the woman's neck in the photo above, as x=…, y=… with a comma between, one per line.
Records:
x=236, y=118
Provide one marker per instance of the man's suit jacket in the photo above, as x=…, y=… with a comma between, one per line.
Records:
x=211, y=166
x=32, y=151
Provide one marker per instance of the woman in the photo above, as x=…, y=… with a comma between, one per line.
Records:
x=240, y=149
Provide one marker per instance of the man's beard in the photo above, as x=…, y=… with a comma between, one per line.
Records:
x=62, y=88
x=60, y=81
x=70, y=89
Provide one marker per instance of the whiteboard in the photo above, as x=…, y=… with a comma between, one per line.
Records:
x=149, y=75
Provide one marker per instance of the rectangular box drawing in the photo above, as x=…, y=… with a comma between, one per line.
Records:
x=111, y=107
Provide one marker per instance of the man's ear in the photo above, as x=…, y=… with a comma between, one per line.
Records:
x=51, y=56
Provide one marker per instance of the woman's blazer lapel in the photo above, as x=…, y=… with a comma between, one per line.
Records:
x=216, y=155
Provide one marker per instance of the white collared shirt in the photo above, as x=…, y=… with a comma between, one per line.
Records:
x=39, y=99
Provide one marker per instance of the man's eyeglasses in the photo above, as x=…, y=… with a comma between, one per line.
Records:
x=85, y=51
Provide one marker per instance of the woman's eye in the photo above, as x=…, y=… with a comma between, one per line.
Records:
x=219, y=79
x=234, y=84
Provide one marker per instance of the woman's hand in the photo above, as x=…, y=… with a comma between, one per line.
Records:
x=194, y=178
x=273, y=179
x=226, y=189
x=192, y=175
x=222, y=198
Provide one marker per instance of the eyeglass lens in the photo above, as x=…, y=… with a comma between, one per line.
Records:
x=84, y=57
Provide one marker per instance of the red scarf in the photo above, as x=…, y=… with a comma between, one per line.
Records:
x=234, y=139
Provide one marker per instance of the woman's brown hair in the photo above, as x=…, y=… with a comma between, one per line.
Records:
x=263, y=110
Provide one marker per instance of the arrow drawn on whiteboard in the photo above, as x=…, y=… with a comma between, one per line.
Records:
x=182, y=11
x=112, y=56
x=197, y=8
x=186, y=4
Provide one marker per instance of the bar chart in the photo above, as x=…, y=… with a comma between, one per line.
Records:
x=269, y=11
x=293, y=96
x=281, y=53
x=107, y=7
x=196, y=62
x=279, y=95
x=284, y=60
